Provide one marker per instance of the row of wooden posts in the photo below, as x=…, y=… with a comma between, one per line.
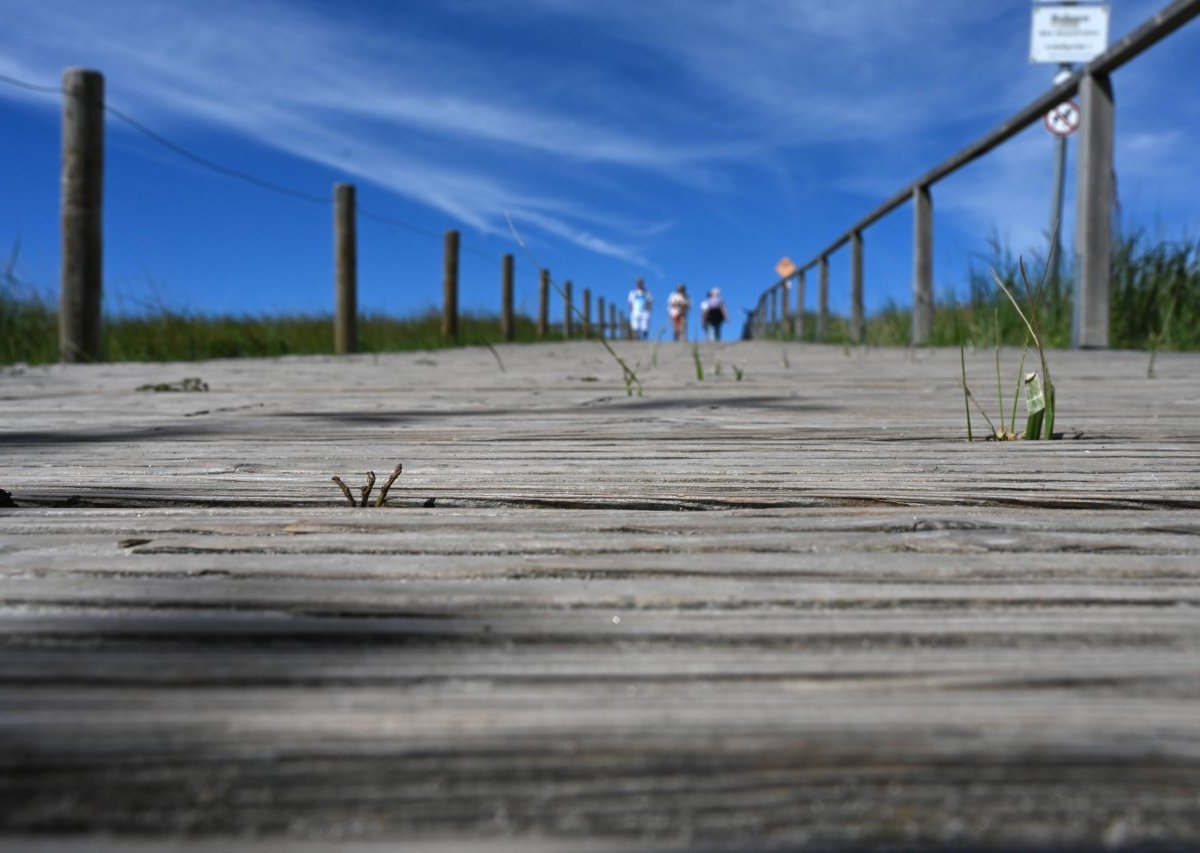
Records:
x=577, y=320
x=1095, y=202
x=79, y=315
x=82, y=177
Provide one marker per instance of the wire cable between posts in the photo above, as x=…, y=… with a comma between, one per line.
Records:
x=239, y=174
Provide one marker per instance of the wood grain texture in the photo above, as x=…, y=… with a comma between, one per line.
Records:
x=795, y=609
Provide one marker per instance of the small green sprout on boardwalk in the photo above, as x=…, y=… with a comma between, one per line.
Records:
x=365, y=491
x=633, y=384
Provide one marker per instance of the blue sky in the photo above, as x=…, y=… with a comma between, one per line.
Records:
x=679, y=140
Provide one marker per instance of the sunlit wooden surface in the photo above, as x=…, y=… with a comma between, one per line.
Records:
x=783, y=604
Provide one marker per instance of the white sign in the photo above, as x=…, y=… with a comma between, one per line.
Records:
x=1063, y=120
x=1068, y=33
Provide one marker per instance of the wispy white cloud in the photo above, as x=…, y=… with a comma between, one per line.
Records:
x=574, y=115
x=319, y=88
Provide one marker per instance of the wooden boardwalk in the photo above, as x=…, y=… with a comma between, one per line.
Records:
x=787, y=605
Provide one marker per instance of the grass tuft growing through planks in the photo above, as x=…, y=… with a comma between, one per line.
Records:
x=633, y=383
x=1039, y=392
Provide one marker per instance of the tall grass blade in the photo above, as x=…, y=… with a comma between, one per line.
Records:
x=999, y=384
x=1012, y=421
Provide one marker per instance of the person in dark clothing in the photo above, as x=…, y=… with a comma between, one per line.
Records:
x=713, y=313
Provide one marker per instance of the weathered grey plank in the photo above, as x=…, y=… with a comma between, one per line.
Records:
x=791, y=609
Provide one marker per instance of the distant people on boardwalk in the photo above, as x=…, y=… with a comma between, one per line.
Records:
x=678, y=307
x=640, y=305
x=713, y=313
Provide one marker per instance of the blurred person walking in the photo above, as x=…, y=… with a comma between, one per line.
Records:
x=713, y=313
x=678, y=307
x=640, y=305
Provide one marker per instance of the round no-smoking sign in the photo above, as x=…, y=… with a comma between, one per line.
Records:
x=1063, y=120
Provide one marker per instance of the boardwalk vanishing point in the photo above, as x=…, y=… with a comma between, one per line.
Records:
x=786, y=605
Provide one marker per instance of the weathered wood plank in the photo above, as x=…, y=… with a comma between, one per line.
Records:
x=791, y=609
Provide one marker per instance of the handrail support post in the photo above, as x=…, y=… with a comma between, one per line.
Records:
x=922, y=312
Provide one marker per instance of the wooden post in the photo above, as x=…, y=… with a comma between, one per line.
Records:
x=543, y=324
x=587, y=313
x=345, y=271
x=568, y=324
x=82, y=193
x=785, y=308
x=922, y=310
x=798, y=319
x=1093, y=212
x=602, y=326
x=857, y=323
x=450, y=287
x=507, y=326
x=614, y=326
x=823, y=299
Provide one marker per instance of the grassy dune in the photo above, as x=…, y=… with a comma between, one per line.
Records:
x=1155, y=305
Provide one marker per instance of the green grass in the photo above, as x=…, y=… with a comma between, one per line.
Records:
x=28, y=330
x=1155, y=298
x=1154, y=302
x=1154, y=305
x=29, y=334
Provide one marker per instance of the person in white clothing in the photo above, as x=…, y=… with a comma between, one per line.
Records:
x=640, y=304
x=677, y=309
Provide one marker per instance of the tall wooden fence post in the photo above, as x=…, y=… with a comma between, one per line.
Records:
x=543, y=324
x=614, y=327
x=345, y=271
x=450, y=287
x=507, y=326
x=603, y=329
x=1093, y=212
x=587, y=313
x=79, y=331
x=798, y=319
x=857, y=323
x=568, y=323
x=922, y=311
x=823, y=299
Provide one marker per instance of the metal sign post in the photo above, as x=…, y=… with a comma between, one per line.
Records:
x=1064, y=33
x=1061, y=121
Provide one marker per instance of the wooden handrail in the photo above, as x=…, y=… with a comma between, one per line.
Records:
x=1148, y=34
